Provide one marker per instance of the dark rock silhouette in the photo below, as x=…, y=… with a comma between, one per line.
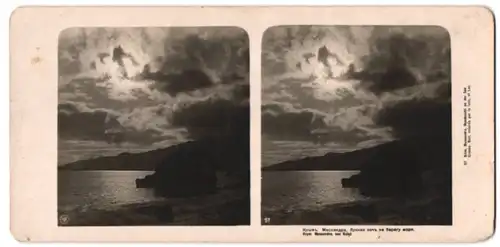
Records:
x=351, y=182
x=183, y=170
x=146, y=182
x=394, y=169
x=190, y=169
x=187, y=172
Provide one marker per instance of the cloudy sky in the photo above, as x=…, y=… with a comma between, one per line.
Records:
x=342, y=88
x=163, y=86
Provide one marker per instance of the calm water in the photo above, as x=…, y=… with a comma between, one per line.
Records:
x=292, y=190
x=82, y=190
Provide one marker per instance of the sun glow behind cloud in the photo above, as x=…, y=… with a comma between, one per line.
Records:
x=129, y=101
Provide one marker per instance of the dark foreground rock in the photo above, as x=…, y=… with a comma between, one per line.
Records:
x=408, y=167
x=351, y=182
x=189, y=169
x=146, y=182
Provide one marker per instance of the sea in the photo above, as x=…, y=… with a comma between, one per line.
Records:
x=84, y=190
x=309, y=190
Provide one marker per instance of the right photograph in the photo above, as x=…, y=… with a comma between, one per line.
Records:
x=356, y=125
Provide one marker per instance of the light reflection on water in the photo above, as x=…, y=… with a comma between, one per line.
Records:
x=83, y=190
x=290, y=190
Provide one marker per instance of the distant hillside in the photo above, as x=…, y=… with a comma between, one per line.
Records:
x=226, y=154
x=331, y=161
x=146, y=161
x=384, y=154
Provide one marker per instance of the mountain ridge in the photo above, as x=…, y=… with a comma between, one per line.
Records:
x=227, y=153
x=351, y=160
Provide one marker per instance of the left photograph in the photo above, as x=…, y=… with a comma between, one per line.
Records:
x=153, y=126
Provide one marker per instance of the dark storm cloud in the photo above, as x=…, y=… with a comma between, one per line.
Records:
x=375, y=68
x=179, y=59
x=418, y=117
x=398, y=61
x=77, y=123
x=282, y=123
x=213, y=117
x=394, y=78
x=186, y=81
x=401, y=61
x=194, y=62
x=228, y=53
x=203, y=62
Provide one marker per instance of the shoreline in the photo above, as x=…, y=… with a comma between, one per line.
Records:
x=386, y=211
x=218, y=209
